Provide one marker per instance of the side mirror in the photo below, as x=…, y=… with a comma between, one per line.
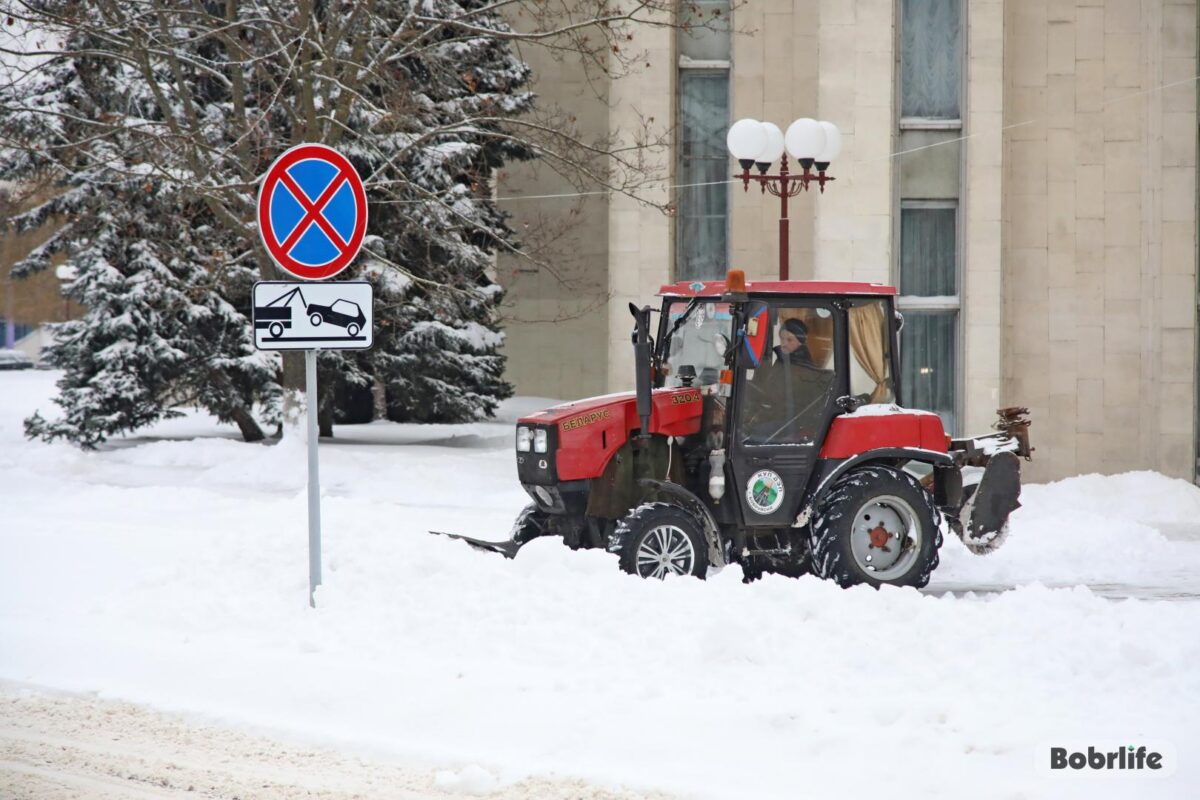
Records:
x=848, y=403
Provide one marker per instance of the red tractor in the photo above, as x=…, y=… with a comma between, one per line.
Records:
x=766, y=429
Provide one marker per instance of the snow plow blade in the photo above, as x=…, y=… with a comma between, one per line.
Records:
x=530, y=524
x=508, y=549
x=985, y=515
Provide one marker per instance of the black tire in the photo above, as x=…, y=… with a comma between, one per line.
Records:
x=654, y=527
x=316, y=319
x=832, y=535
x=352, y=329
x=276, y=329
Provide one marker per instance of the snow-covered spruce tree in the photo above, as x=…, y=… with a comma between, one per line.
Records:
x=437, y=349
x=157, y=333
x=158, y=120
x=147, y=261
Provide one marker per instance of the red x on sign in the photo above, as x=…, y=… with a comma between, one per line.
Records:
x=312, y=211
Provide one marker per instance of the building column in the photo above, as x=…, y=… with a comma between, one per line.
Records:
x=856, y=93
x=640, y=250
x=982, y=214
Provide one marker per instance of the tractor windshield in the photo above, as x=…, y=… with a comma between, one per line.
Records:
x=699, y=343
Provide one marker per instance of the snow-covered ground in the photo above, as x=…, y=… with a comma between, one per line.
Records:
x=170, y=570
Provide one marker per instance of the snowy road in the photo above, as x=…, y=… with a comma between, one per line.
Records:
x=55, y=746
x=169, y=570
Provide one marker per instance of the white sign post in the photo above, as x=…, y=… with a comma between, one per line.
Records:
x=298, y=315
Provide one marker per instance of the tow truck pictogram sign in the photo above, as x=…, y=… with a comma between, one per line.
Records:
x=312, y=211
x=295, y=315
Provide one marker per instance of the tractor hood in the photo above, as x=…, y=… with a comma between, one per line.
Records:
x=588, y=432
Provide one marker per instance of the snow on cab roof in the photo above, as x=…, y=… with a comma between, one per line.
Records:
x=717, y=288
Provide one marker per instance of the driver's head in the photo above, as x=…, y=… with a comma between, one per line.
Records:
x=792, y=336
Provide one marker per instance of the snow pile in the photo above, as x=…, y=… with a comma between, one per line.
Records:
x=886, y=410
x=173, y=573
x=472, y=779
x=1092, y=529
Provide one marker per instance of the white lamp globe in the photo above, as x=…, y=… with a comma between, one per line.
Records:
x=805, y=138
x=745, y=139
x=773, y=148
x=833, y=143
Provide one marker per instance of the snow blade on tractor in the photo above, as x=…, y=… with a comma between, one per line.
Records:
x=529, y=525
x=982, y=523
x=508, y=549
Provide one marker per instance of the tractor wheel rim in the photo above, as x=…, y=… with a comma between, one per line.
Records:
x=664, y=550
x=886, y=537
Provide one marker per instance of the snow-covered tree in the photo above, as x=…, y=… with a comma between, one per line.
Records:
x=158, y=120
x=157, y=333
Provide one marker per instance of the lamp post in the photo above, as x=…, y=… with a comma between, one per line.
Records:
x=759, y=144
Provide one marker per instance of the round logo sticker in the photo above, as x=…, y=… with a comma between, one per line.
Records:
x=764, y=491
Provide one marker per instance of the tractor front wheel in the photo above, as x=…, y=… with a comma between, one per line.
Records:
x=660, y=539
x=877, y=525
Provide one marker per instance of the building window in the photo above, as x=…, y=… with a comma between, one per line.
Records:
x=702, y=199
x=929, y=187
x=930, y=303
x=930, y=59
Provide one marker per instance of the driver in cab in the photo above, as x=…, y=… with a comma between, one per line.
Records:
x=793, y=389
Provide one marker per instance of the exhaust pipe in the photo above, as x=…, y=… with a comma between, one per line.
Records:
x=642, y=363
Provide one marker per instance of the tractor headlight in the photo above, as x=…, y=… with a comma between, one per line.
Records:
x=524, y=438
x=540, y=440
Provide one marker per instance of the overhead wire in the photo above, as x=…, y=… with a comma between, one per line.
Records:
x=889, y=156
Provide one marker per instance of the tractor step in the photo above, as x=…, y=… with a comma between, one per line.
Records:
x=770, y=551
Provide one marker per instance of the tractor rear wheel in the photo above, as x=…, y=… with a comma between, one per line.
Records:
x=660, y=539
x=877, y=525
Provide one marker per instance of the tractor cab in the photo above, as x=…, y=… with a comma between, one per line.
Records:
x=778, y=364
x=766, y=428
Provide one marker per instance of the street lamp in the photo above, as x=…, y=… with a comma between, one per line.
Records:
x=758, y=144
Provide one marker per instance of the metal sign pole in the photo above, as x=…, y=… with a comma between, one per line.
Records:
x=314, y=479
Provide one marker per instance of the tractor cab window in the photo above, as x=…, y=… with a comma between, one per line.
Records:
x=695, y=352
x=871, y=352
x=789, y=389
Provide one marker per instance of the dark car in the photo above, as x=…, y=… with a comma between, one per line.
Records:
x=342, y=313
x=14, y=359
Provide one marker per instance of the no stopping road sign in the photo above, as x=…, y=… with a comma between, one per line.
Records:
x=312, y=211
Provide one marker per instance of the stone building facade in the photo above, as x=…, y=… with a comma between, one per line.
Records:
x=1023, y=170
